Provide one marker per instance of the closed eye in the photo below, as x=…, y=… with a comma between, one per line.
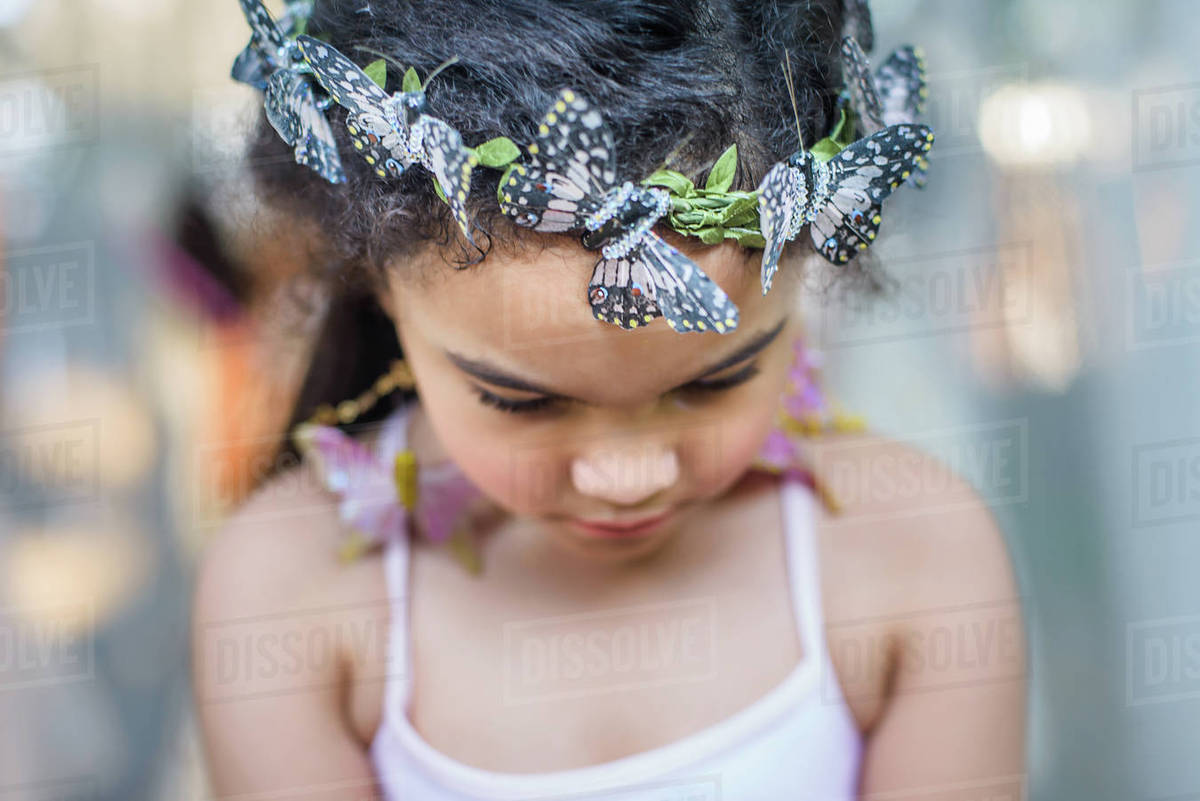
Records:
x=725, y=382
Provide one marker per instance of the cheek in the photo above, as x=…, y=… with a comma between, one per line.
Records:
x=521, y=474
x=717, y=454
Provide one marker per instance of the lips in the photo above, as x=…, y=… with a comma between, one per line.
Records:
x=624, y=529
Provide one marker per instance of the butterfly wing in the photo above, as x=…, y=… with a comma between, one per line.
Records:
x=903, y=89
x=444, y=155
x=263, y=25
x=781, y=193
x=861, y=177
x=345, y=82
x=623, y=291
x=686, y=297
x=860, y=83
x=857, y=23
x=444, y=496
x=260, y=57
x=365, y=488
x=571, y=165
x=292, y=110
x=902, y=85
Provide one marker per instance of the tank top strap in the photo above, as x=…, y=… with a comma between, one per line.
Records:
x=799, y=521
x=392, y=439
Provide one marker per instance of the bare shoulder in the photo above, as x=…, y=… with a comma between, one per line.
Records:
x=273, y=605
x=913, y=556
x=278, y=547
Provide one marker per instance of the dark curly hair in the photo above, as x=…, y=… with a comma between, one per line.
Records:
x=678, y=79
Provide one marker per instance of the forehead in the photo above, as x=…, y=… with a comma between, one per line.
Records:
x=525, y=309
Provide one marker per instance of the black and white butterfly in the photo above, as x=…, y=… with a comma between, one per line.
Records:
x=839, y=200
x=569, y=184
x=394, y=132
x=272, y=63
x=894, y=95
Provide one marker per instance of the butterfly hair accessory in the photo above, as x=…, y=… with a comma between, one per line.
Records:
x=838, y=196
x=394, y=132
x=568, y=184
x=295, y=107
x=894, y=95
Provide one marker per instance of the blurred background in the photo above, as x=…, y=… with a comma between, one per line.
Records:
x=1042, y=336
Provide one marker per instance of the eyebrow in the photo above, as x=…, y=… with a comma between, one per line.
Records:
x=497, y=377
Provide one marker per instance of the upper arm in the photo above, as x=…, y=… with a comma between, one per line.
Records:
x=268, y=671
x=948, y=719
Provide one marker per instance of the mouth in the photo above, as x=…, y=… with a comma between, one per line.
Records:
x=630, y=528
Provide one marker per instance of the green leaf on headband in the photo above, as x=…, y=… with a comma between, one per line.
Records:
x=412, y=82
x=377, y=72
x=839, y=138
x=676, y=182
x=720, y=178
x=497, y=152
x=438, y=188
x=712, y=236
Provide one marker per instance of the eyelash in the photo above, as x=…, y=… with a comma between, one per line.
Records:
x=533, y=405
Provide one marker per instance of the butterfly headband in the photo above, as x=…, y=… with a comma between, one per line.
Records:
x=566, y=179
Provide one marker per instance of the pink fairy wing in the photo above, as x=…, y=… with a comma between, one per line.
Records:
x=444, y=497
x=365, y=487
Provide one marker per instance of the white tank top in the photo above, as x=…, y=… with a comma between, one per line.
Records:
x=798, y=742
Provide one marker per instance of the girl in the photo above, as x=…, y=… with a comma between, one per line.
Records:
x=646, y=614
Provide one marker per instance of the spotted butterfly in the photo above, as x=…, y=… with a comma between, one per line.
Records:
x=840, y=199
x=894, y=95
x=271, y=63
x=569, y=184
x=393, y=132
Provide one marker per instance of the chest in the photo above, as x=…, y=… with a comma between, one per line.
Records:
x=575, y=670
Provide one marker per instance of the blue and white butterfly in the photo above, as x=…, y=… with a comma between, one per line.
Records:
x=394, y=132
x=840, y=200
x=272, y=63
x=894, y=95
x=569, y=184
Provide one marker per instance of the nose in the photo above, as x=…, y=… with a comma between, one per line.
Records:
x=625, y=476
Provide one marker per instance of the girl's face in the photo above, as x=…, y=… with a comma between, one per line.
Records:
x=610, y=438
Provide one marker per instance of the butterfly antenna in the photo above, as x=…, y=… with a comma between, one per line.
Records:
x=674, y=154
x=447, y=63
x=791, y=87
